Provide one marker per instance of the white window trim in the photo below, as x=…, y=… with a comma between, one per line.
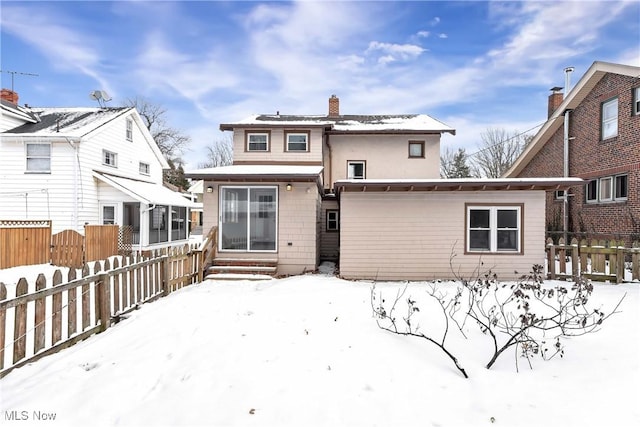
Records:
x=250, y=134
x=615, y=188
x=27, y=157
x=612, y=183
x=306, y=141
x=129, y=130
x=115, y=158
x=220, y=216
x=148, y=168
x=115, y=212
x=493, y=229
x=357, y=162
x=614, y=119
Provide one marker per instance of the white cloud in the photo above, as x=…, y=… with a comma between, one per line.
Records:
x=52, y=35
x=423, y=33
x=394, y=52
x=435, y=21
x=442, y=36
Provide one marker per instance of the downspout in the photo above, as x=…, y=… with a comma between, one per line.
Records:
x=329, y=162
x=565, y=200
x=76, y=170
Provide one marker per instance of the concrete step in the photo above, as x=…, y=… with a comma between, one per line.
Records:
x=237, y=276
x=242, y=269
x=245, y=262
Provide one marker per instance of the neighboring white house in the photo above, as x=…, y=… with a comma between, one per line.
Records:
x=78, y=166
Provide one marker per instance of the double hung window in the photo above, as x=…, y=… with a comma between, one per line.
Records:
x=610, y=119
x=38, y=158
x=494, y=228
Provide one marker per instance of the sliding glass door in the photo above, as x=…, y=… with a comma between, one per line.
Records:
x=248, y=218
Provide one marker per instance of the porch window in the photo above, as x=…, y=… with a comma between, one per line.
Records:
x=131, y=218
x=298, y=141
x=258, y=141
x=356, y=169
x=333, y=220
x=494, y=228
x=38, y=158
x=178, y=223
x=108, y=214
x=159, y=224
x=610, y=119
x=249, y=218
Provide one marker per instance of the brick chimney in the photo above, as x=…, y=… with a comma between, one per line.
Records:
x=334, y=106
x=9, y=95
x=555, y=99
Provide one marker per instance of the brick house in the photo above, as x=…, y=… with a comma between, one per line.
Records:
x=364, y=191
x=593, y=133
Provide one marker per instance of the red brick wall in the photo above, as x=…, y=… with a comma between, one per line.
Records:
x=589, y=157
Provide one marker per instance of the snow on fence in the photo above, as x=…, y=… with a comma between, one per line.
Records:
x=600, y=260
x=57, y=314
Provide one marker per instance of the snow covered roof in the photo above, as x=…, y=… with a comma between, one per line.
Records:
x=462, y=184
x=405, y=123
x=149, y=193
x=69, y=122
x=17, y=111
x=258, y=172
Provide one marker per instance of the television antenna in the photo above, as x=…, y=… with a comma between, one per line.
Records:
x=13, y=74
x=101, y=96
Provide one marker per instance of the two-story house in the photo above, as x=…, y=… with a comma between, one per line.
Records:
x=78, y=166
x=364, y=190
x=593, y=133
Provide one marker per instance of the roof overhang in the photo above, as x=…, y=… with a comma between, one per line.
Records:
x=149, y=193
x=391, y=132
x=466, y=184
x=260, y=174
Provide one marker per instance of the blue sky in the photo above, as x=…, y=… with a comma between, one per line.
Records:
x=470, y=64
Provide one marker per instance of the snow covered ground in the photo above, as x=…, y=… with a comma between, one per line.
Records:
x=306, y=351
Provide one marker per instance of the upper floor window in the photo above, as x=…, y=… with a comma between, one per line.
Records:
x=109, y=158
x=356, y=169
x=129, y=133
x=494, y=228
x=416, y=149
x=144, y=168
x=38, y=157
x=610, y=118
x=636, y=100
x=258, y=141
x=297, y=141
x=607, y=189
